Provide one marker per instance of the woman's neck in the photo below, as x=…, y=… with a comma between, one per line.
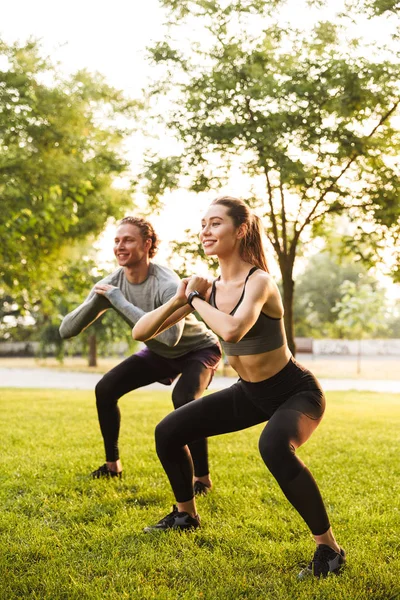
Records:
x=233, y=269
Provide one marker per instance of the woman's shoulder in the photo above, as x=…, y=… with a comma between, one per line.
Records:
x=263, y=277
x=265, y=284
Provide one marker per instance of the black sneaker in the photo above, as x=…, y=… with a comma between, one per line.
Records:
x=325, y=561
x=200, y=488
x=104, y=471
x=175, y=520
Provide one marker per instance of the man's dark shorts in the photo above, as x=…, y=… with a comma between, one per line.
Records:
x=170, y=368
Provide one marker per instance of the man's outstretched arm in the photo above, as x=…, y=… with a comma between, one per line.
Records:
x=84, y=315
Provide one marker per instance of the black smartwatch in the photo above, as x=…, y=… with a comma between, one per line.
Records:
x=194, y=294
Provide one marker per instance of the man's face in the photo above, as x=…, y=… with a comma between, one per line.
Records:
x=129, y=246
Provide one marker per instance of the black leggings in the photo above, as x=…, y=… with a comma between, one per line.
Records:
x=292, y=402
x=136, y=372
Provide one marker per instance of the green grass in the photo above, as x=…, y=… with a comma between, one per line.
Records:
x=65, y=536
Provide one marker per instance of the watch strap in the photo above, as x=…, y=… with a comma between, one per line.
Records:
x=194, y=294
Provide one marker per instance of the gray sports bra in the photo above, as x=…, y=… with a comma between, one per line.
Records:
x=266, y=334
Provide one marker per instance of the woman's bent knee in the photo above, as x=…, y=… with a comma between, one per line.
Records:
x=278, y=455
x=164, y=436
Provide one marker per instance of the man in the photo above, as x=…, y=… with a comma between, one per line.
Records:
x=187, y=348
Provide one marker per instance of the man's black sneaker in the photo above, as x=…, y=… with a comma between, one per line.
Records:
x=104, y=471
x=181, y=521
x=325, y=561
x=200, y=488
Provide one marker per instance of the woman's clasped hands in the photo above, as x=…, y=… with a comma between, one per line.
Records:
x=190, y=284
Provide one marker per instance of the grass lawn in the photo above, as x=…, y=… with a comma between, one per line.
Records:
x=65, y=536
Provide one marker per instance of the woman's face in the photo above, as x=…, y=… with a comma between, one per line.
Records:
x=218, y=234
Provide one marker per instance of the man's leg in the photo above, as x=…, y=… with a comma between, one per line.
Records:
x=191, y=386
x=133, y=373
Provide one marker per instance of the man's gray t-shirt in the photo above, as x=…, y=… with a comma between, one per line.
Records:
x=131, y=301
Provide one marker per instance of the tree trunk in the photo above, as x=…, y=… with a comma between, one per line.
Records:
x=359, y=357
x=288, y=295
x=92, y=357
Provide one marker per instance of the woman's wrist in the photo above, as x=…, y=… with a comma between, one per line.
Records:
x=192, y=295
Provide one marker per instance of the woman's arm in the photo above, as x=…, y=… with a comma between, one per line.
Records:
x=156, y=321
x=231, y=328
x=165, y=316
x=132, y=314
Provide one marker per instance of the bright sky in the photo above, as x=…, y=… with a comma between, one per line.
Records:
x=92, y=34
x=111, y=38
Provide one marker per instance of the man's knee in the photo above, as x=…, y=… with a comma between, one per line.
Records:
x=180, y=396
x=105, y=391
x=191, y=385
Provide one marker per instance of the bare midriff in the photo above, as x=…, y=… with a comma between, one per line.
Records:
x=257, y=367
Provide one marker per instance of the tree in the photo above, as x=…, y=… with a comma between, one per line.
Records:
x=360, y=313
x=305, y=117
x=60, y=155
x=318, y=290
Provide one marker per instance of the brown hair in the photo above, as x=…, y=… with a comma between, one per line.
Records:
x=146, y=231
x=251, y=247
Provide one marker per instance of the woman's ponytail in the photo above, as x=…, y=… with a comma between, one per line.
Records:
x=251, y=248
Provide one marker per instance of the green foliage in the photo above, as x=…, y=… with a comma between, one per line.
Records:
x=12, y=320
x=396, y=269
x=378, y=7
x=66, y=536
x=218, y=9
x=318, y=290
x=161, y=175
x=361, y=311
x=60, y=153
x=371, y=8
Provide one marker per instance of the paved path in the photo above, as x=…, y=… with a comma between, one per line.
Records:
x=51, y=378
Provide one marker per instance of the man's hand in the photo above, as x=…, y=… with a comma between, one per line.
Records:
x=198, y=283
x=181, y=291
x=102, y=288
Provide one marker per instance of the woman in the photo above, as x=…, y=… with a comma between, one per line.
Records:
x=244, y=308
